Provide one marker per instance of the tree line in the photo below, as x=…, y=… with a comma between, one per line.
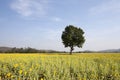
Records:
x=27, y=50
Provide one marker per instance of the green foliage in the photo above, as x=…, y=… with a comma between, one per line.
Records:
x=72, y=37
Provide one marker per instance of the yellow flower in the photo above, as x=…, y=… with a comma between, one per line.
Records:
x=8, y=74
x=25, y=73
x=34, y=79
x=12, y=76
x=101, y=65
x=30, y=69
x=19, y=79
x=37, y=65
x=107, y=64
x=16, y=65
x=0, y=78
x=20, y=71
x=84, y=78
x=80, y=79
x=116, y=74
x=41, y=79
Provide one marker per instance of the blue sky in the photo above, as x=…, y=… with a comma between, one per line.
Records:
x=39, y=23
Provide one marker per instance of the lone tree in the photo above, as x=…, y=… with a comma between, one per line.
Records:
x=72, y=37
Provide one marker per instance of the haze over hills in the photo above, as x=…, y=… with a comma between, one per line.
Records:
x=110, y=50
x=29, y=50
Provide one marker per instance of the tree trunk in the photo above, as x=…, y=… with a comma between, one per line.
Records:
x=71, y=49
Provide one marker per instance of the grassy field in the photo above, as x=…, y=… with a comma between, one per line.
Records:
x=60, y=66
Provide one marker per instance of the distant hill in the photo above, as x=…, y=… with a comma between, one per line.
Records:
x=4, y=49
x=111, y=50
x=103, y=51
x=33, y=50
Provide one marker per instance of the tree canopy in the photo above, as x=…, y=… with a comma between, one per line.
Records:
x=73, y=37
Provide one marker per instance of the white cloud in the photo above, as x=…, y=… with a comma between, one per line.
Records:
x=28, y=8
x=56, y=19
x=112, y=6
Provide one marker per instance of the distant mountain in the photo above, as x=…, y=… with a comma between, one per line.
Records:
x=102, y=51
x=110, y=50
